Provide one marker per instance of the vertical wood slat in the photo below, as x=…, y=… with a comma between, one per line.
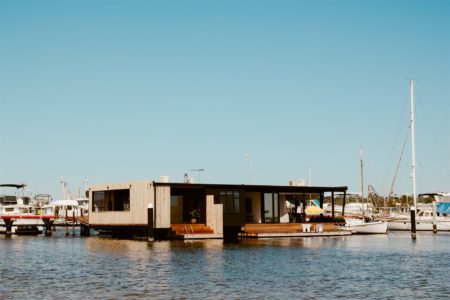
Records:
x=162, y=205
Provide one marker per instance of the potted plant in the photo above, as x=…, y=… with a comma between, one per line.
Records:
x=195, y=215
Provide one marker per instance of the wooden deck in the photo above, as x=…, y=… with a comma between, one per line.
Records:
x=192, y=231
x=84, y=220
x=291, y=230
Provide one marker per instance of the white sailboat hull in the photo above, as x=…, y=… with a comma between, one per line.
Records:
x=376, y=227
x=421, y=225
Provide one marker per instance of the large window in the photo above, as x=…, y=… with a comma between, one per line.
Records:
x=230, y=201
x=271, y=210
x=114, y=200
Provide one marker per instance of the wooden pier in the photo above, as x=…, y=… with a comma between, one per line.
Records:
x=30, y=221
x=29, y=224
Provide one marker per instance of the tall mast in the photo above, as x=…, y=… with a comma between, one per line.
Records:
x=309, y=181
x=361, y=151
x=413, y=143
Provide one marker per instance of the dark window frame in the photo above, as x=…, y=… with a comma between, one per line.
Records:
x=274, y=207
x=111, y=200
x=231, y=201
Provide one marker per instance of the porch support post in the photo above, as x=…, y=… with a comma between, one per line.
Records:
x=303, y=216
x=343, y=204
x=332, y=205
x=321, y=200
x=304, y=202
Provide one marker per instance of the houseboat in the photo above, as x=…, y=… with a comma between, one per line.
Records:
x=195, y=210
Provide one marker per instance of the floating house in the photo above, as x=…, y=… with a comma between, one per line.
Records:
x=190, y=210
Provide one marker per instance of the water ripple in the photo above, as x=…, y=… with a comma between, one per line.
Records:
x=356, y=267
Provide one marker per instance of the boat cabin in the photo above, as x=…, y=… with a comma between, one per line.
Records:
x=14, y=198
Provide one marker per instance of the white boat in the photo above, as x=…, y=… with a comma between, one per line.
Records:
x=16, y=210
x=423, y=217
x=14, y=198
x=69, y=208
x=22, y=225
x=361, y=224
x=83, y=205
x=63, y=210
x=357, y=225
x=424, y=222
x=18, y=206
x=81, y=197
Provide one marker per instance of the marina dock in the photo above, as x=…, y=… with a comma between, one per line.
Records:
x=31, y=224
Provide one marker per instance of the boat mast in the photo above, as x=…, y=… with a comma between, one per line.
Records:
x=361, y=150
x=413, y=143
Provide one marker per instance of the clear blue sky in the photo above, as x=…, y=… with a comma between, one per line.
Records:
x=131, y=90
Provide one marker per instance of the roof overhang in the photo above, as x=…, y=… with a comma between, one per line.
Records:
x=17, y=186
x=257, y=188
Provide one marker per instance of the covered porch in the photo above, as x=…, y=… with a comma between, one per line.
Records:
x=215, y=210
x=193, y=214
x=288, y=204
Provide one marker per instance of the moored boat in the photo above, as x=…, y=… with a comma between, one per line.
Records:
x=63, y=210
x=18, y=207
x=363, y=224
x=357, y=225
x=424, y=222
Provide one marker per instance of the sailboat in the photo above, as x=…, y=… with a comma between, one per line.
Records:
x=424, y=218
x=363, y=224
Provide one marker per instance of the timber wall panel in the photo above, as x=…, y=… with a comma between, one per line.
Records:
x=140, y=197
x=162, y=211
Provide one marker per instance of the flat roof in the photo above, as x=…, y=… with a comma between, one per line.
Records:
x=17, y=186
x=256, y=188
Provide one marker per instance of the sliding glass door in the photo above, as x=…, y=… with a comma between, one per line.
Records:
x=271, y=210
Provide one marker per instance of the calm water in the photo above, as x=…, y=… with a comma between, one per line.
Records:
x=356, y=267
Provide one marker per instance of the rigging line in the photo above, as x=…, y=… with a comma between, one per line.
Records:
x=444, y=118
x=424, y=171
x=391, y=189
x=396, y=137
x=433, y=135
x=368, y=165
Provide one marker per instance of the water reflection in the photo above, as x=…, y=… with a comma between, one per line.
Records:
x=349, y=267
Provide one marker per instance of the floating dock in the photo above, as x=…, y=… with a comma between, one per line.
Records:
x=292, y=230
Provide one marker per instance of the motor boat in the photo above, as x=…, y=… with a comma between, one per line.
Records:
x=64, y=211
x=18, y=207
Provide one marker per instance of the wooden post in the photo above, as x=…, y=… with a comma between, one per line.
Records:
x=73, y=223
x=413, y=222
x=150, y=230
x=65, y=224
x=434, y=217
x=8, y=223
x=48, y=226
